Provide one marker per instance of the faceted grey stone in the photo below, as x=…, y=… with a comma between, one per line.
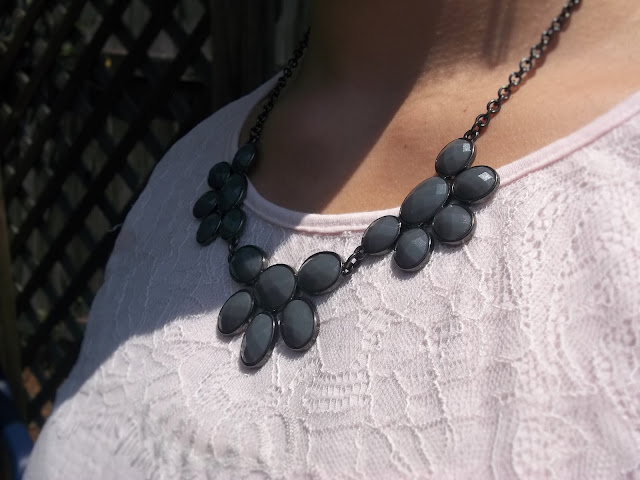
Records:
x=454, y=224
x=475, y=184
x=208, y=230
x=381, y=235
x=246, y=263
x=320, y=273
x=218, y=175
x=275, y=287
x=424, y=201
x=298, y=325
x=244, y=158
x=455, y=157
x=259, y=339
x=232, y=192
x=235, y=313
x=232, y=224
x=206, y=204
x=413, y=250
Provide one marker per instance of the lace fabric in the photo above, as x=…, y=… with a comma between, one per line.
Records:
x=514, y=356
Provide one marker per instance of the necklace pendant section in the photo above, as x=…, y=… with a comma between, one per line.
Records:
x=259, y=339
x=381, y=236
x=320, y=273
x=246, y=263
x=299, y=324
x=476, y=184
x=236, y=313
x=424, y=201
x=454, y=225
x=455, y=157
x=413, y=250
x=275, y=287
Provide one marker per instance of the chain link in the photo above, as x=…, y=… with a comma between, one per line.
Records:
x=524, y=67
x=287, y=71
x=354, y=261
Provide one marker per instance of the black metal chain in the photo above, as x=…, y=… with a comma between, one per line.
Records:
x=354, y=261
x=525, y=66
x=287, y=71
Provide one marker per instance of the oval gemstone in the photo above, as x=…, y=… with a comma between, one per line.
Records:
x=246, y=263
x=232, y=192
x=475, y=184
x=424, y=201
x=454, y=224
x=259, y=339
x=244, y=158
x=413, y=250
x=232, y=224
x=218, y=175
x=320, y=273
x=208, y=230
x=381, y=235
x=275, y=287
x=455, y=157
x=206, y=204
x=235, y=313
x=298, y=325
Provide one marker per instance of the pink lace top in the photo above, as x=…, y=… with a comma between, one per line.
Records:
x=515, y=356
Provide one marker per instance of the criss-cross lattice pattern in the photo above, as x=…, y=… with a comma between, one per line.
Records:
x=93, y=94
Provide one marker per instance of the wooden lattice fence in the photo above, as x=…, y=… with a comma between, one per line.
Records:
x=92, y=93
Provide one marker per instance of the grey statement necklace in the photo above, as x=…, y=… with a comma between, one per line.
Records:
x=275, y=300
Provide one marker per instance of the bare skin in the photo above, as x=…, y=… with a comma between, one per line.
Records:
x=385, y=85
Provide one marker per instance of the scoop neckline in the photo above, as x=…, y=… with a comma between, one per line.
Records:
x=344, y=223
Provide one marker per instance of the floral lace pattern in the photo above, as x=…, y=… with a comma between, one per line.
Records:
x=515, y=356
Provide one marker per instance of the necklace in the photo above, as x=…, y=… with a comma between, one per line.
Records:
x=276, y=300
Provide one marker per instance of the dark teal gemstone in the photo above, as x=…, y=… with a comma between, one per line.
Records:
x=275, y=287
x=454, y=224
x=236, y=313
x=424, y=201
x=381, y=235
x=259, y=339
x=232, y=192
x=455, y=157
x=475, y=184
x=298, y=324
x=244, y=158
x=232, y=224
x=218, y=175
x=320, y=273
x=208, y=230
x=246, y=263
x=206, y=204
x=413, y=250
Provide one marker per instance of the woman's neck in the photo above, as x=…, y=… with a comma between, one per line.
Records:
x=385, y=85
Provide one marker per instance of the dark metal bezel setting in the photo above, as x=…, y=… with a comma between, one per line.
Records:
x=392, y=246
x=424, y=260
x=238, y=167
x=265, y=264
x=316, y=326
x=467, y=164
x=238, y=201
x=333, y=286
x=429, y=219
x=486, y=196
x=245, y=323
x=469, y=233
x=209, y=176
x=240, y=229
x=272, y=344
x=293, y=294
x=210, y=239
x=205, y=194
